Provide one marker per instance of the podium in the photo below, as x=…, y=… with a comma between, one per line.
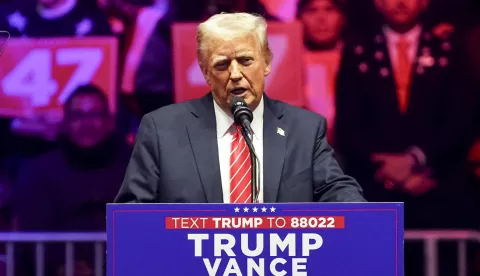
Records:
x=321, y=239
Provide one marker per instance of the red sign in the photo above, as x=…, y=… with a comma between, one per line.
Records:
x=38, y=75
x=284, y=83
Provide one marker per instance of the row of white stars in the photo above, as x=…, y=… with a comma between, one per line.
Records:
x=255, y=209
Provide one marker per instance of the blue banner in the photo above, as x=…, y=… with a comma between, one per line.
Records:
x=321, y=239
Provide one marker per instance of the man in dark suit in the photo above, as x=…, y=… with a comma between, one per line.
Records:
x=404, y=119
x=192, y=152
x=404, y=114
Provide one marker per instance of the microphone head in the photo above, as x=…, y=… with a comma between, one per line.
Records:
x=236, y=102
x=240, y=110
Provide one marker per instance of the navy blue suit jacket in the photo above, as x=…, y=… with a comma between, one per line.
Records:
x=175, y=158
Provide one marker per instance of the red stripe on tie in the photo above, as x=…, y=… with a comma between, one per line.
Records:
x=240, y=169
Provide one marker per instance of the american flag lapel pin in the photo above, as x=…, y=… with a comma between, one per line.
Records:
x=280, y=131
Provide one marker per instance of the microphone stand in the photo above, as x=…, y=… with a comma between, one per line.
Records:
x=246, y=130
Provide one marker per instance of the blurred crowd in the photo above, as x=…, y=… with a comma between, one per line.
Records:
x=399, y=86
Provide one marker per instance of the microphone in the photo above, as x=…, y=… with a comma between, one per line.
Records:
x=242, y=115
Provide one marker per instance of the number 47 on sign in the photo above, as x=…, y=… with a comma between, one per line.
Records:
x=42, y=73
x=32, y=77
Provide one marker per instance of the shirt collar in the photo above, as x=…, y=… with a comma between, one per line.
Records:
x=412, y=35
x=225, y=121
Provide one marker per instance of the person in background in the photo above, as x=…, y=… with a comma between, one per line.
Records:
x=404, y=116
x=48, y=19
x=57, y=18
x=146, y=77
x=68, y=189
x=323, y=23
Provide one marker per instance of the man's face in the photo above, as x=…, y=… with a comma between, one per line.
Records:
x=401, y=12
x=322, y=22
x=88, y=122
x=236, y=68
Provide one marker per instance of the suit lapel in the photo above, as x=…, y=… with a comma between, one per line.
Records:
x=422, y=65
x=274, y=147
x=384, y=72
x=202, y=134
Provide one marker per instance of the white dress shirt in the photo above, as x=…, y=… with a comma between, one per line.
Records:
x=412, y=36
x=225, y=131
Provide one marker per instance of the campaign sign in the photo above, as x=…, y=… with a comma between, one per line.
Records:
x=285, y=81
x=37, y=75
x=337, y=239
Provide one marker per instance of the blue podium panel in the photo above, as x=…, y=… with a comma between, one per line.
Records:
x=321, y=239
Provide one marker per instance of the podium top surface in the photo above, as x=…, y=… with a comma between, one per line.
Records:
x=216, y=206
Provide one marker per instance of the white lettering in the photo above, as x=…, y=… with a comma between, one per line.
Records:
x=232, y=268
x=175, y=220
x=258, y=249
x=218, y=246
x=198, y=242
x=307, y=246
x=217, y=220
x=276, y=241
x=273, y=268
x=259, y=268
x=282, y=224
x=212, y=271
x=299, y=264
x=256, y=267
x=224, y=245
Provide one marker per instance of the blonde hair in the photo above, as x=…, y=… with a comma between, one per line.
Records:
x=231, y=26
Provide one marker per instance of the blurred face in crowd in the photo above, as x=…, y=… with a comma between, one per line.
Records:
x=50, y=4
x=87, y=121
x=401, y=12
x=236, y=67
x=322, y=22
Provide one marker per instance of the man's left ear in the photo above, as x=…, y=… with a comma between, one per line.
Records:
x=205, y=75
x=268, y=69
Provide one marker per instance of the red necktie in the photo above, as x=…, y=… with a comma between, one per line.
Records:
x=240, y=169
x=403, y=74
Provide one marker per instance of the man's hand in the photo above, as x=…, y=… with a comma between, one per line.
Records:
x=397, y=168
